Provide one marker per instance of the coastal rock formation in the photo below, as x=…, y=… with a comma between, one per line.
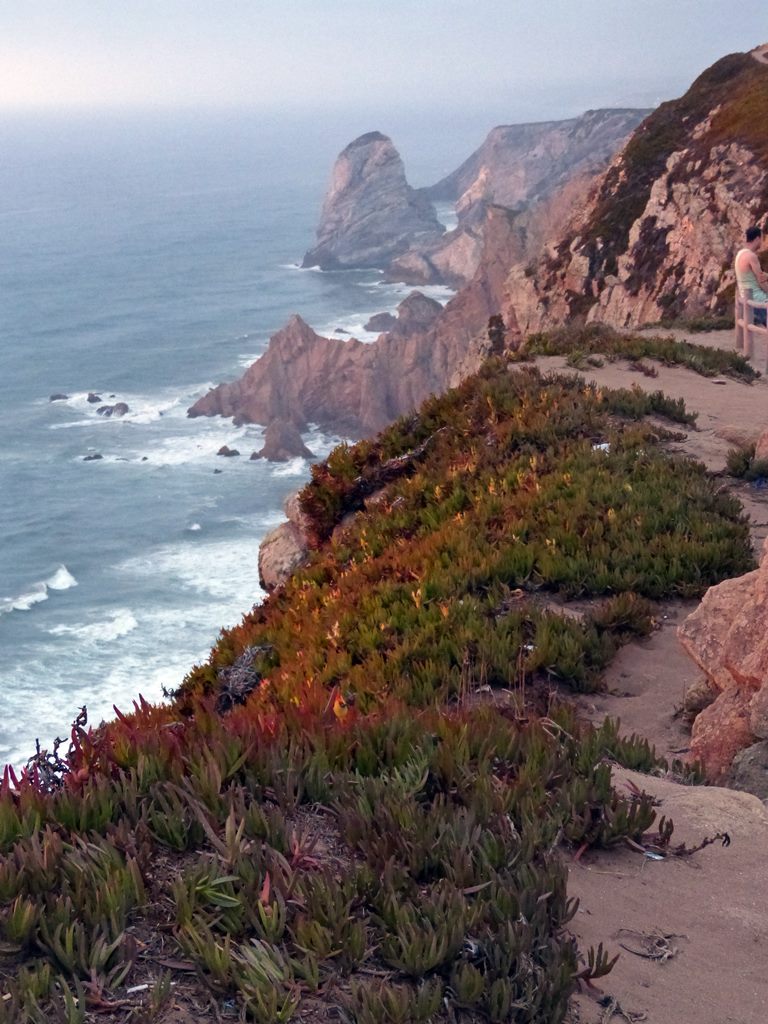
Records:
x=356, y=389
x=726, y=637
x=282, y=442
x=285, y=548
x=657, y=237
x=370, y=213
x=117, y=410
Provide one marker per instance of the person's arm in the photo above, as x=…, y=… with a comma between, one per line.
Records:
x=760, y=276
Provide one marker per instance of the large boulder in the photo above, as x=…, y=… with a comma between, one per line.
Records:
x=284, y=549
x=727, y=638
x=282, y=442
x=370, y=213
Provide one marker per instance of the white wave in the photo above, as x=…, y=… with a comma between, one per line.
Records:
x=439, y=292
x=118, y=624
x=223, y=569
x=352, y=326
x=37, y=592
x=194, y=527
x=23, y=602
x=446, y=214
x=62, y=579
x=201, y=443
x=296, y=467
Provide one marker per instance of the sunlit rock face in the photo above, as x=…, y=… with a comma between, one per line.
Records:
x=657, y=235
x=726, y=637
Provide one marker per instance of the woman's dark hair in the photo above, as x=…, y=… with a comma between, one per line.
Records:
x=753, y=233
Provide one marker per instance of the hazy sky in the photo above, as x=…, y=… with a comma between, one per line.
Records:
x=563, y=55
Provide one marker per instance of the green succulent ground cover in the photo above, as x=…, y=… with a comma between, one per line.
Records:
x=578, y=343
x=368, y=829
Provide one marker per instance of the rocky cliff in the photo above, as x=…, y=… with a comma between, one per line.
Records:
x=657, y=237
x=356, y=389
x=522, y=167
x=370, y=213
x=521, y=163
x=653, y=236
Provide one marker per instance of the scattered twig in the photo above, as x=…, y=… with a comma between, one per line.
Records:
x=656, y=946
x=614, y=1007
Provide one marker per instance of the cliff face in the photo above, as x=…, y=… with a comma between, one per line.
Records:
x=521, y=167
x=657, y=237
x=370, y=213
x=522, y=163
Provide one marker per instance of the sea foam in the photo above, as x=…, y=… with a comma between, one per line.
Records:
x=118, y=624
x=62, y=579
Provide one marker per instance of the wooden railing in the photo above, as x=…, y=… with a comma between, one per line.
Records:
x=747, y=331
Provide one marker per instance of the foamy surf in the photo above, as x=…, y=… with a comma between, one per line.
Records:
x=37, y=592
x=296, y=467
x=120, y=623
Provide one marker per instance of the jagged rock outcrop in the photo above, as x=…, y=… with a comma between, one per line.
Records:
x=285, y=548
x=657, y=237
x=282, y=442
x=356, y=389
x=727, y=638
x=370, y=213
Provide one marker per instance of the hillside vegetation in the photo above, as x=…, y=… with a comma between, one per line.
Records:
x=360, y=800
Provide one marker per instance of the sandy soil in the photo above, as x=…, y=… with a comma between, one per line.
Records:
x=696, y=927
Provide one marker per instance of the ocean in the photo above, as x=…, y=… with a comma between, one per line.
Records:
x=143, y=259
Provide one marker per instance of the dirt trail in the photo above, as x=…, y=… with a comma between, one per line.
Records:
x=715, y=903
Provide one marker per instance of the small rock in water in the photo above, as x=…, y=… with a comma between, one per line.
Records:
x=381, y=322
x=119, y=409
x=227, y=452
x=93, y=457
x=282, y=442
x=58, y=397
x=93, y=398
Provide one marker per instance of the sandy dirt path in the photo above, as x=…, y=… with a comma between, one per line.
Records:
x=714, y=905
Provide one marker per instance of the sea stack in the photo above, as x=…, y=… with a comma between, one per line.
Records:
x=370, y=213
